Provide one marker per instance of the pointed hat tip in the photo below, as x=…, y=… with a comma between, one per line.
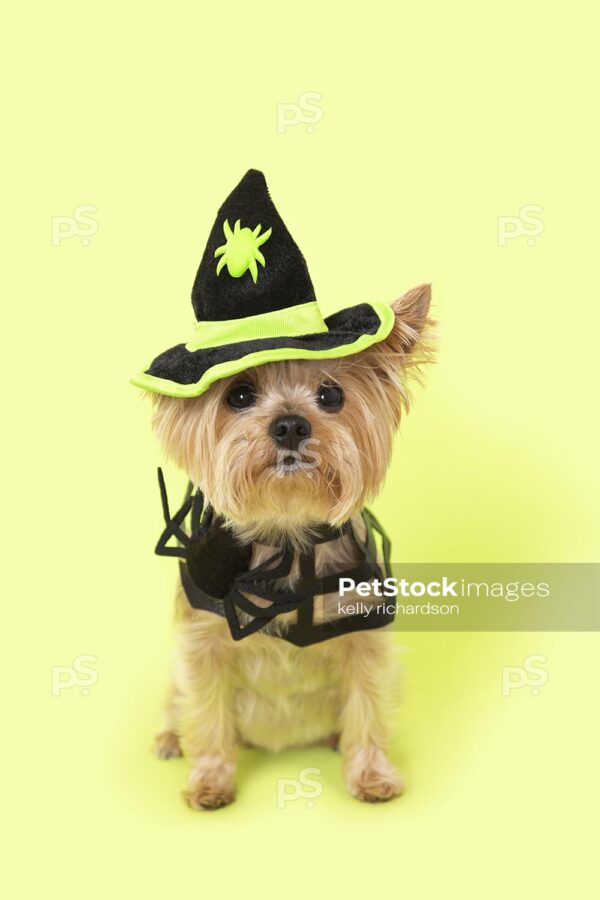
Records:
x=253, y=184
x=254, y=177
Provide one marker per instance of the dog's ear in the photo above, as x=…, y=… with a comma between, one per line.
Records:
x=409, y=345
x=411, y=312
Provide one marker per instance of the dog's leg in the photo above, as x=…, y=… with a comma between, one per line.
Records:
x=366, y=673
x=166, y=742
x=208, y=733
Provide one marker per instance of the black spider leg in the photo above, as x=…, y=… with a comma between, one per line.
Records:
x=173, y=528
x=305, y=617
x=200, y=523
x=386, y=544
x=255, y=582
x=261, y=615
x=281, y=601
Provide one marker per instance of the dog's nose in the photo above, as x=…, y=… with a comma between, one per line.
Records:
x=289, y=431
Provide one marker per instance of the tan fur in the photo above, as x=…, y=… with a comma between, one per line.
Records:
x=264, y=691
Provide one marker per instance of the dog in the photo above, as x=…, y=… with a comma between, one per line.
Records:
x=277, y=449
x=283, y=421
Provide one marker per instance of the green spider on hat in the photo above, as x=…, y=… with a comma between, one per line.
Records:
x=240, y=252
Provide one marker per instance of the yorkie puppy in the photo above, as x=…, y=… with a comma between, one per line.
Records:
x=283, y=421
x=279, y=450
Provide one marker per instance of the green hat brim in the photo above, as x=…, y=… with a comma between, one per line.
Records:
x=185, y=372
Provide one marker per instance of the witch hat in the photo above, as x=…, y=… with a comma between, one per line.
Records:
x=255, y=303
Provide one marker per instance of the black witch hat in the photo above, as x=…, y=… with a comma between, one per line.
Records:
x=255, y=303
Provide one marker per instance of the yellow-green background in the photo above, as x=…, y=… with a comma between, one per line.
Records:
x=437, y=119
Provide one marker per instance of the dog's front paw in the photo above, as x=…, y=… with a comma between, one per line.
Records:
x=209, y=796
x=211, y=784
x=371, y=777
x=166, y=745
x=377, y=787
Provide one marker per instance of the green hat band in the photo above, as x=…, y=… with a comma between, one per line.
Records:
x=294, y=321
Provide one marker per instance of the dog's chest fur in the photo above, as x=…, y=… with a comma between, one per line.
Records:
x=282, y=695
x=286, y=695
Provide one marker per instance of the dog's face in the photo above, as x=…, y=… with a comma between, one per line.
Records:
x=289, y=444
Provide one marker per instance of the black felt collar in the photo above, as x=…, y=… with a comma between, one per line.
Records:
x=216, y=576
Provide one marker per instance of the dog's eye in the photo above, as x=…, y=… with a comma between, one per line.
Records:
x=241, y=396
x=330, y=397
